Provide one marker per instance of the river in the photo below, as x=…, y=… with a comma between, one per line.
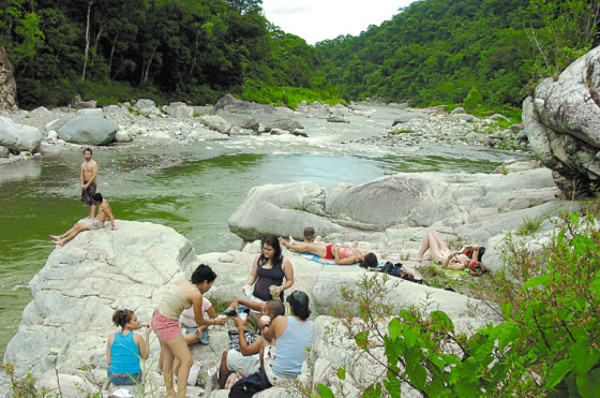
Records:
x=193, y=188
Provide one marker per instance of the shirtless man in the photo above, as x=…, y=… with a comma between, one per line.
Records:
x=104, y=213
x=88, y=177
x=309, y=235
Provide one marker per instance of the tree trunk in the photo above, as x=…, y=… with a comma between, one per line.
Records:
x=87, y=40
x=112, y=54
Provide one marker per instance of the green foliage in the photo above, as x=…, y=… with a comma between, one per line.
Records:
x=288, y=96
x=436, y=51
x=530, y=226
x=25, y=388
x=548, y=343
x=473, y=100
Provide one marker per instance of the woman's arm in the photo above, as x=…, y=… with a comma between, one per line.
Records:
x=109, y=342
x=143, y=344
x=253, y=273
x=199, y=313
x=288, y=271
x=448, y=258
x=253, y=305
x=211, y=312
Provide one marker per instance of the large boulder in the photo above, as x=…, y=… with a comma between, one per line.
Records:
x=81, y=285
x=562, y=122
x=88, y=130
x=18, y=137
x=8, y=84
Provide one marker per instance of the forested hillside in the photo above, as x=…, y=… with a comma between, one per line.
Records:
x=192, y=50
x=438, y=51
x=432, y=52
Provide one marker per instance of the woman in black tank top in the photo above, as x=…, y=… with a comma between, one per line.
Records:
x=270, y=268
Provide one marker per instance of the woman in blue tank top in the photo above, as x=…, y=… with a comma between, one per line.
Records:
x=125, y=348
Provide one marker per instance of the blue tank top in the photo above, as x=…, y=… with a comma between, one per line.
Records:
x=291, y=347
x=125, y=355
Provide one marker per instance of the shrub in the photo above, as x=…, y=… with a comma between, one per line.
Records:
x=548, y=343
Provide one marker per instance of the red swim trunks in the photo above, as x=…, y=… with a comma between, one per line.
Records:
x=329, y=254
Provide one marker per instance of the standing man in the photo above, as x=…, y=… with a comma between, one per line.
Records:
x=88, y=176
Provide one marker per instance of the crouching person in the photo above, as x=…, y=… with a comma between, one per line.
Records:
x=290, y=336
x=247, y=361
x=283, y=351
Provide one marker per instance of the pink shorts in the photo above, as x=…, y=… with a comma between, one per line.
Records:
x=166, y=329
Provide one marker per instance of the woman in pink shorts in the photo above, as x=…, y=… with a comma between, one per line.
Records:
x=165, y=323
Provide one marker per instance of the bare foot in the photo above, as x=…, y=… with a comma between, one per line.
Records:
x=292, y=240
x=283, y=243
x=355, y=244
x=55, y=237
x=60, y=243
x=319, y=238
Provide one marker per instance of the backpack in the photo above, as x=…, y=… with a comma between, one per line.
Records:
x=475, y=269
x=249, y=385
x=399, y=271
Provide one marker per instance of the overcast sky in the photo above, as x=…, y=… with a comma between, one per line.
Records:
x=317, y=20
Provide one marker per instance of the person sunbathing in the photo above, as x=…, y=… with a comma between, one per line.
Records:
x=440, y=253
x=342, y=255
x=104, y=213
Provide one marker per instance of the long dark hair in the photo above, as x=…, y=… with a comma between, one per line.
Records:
x=203, y=273
x=272, y=241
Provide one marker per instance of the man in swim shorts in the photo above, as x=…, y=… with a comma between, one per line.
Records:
x=104, y=213
x=88, y=177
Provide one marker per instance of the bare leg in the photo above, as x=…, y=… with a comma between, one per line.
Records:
x=166, y=364
x=319, y=238
x=70, y=230
x=223, y=370
x=179, y=349
x=77, y=228
x=434, y=244
x=92, y=211
x=316, y=248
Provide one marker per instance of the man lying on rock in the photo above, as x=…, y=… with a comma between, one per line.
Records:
x=104, y=213
x=342, y=255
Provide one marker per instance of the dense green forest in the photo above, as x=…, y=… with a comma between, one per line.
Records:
x=439, y=51
x=191, y=50
x=434, y=51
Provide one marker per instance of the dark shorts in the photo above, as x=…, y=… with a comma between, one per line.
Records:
x=87, y=195
x=124, y=380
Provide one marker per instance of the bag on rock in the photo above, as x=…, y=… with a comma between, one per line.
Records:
x=249, y=385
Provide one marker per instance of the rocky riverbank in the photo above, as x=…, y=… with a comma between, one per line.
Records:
x=33, y=134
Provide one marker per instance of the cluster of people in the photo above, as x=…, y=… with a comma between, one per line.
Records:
x=88, y=176
x=278, y=354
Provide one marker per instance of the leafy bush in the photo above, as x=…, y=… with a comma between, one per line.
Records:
x=548, y=343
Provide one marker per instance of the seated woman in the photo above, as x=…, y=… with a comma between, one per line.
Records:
x=441, y=254
x=269, y=270
x=342, y=255
x=125, y=348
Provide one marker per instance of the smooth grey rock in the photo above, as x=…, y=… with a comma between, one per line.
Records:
x=4, y=152
x=88, y=130
x=18, y=137
x=91, y=112
x=242, y=121
x=179, y=110
x=217, y=123
x=562, y=121
x=284, y=124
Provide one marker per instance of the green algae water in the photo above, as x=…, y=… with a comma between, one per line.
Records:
x=193, y=189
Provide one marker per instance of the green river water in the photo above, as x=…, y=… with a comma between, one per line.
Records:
x=193, y=189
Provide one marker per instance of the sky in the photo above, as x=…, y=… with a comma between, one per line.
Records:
x=317, y=20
